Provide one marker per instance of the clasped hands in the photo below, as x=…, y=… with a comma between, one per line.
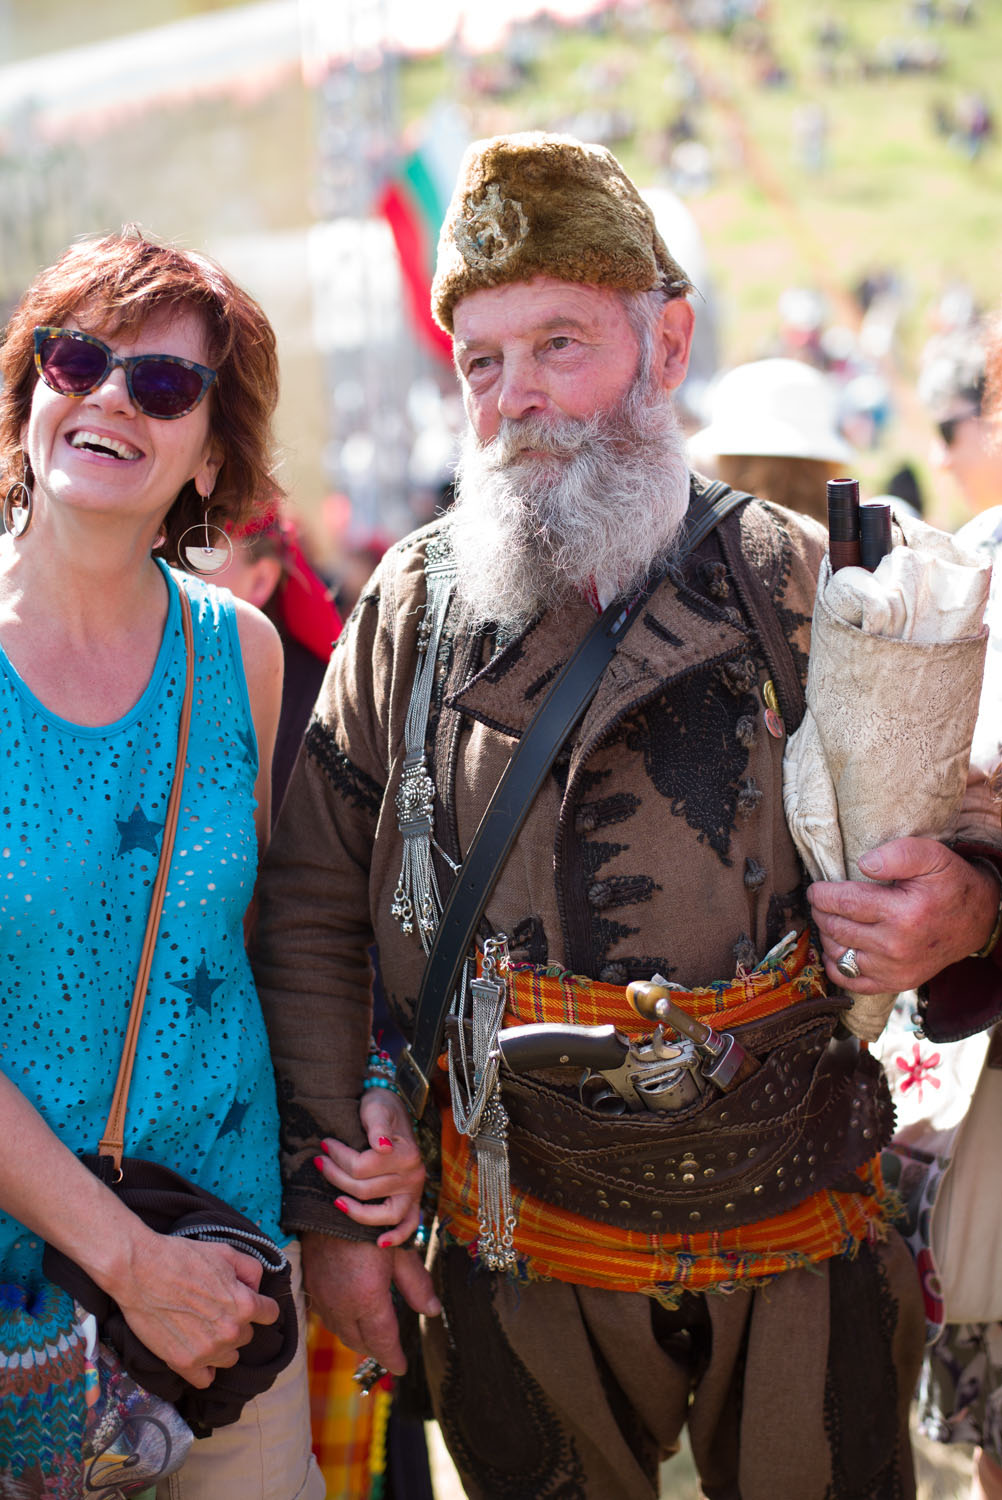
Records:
x=350, y=1281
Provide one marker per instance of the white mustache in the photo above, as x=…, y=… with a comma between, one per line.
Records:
x=563, y=438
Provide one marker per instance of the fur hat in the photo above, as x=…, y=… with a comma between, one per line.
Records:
x=547, y=205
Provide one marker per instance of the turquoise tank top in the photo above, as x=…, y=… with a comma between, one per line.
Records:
x=81, y=816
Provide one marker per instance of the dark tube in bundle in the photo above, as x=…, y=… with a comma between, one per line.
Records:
x=843, y=523
x=874, y=533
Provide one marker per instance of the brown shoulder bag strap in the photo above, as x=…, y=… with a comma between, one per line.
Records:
x=113, y=1140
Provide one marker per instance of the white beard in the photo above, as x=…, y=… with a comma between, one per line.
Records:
x=605, y=509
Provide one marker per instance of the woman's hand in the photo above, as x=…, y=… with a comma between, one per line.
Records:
x=192, y=1304
x=382, y=1185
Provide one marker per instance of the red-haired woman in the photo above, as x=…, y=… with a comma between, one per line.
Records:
x=139, y=387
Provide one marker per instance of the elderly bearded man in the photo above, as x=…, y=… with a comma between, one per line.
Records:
x=766, y=1301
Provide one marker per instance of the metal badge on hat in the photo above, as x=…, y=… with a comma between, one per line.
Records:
x=489, y=233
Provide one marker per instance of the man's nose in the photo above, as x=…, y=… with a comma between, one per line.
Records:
x=520, y=392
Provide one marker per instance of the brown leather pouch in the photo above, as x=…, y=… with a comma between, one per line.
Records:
x=816, y=1109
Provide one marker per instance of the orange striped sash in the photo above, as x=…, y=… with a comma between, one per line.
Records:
x=552, y=1242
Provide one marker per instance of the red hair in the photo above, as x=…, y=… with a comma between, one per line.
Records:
x=121, y=281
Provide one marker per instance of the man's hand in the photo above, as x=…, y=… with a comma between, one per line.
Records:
x=924, y=907
x=350, y=1283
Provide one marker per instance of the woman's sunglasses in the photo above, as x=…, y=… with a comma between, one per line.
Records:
x=161, y=385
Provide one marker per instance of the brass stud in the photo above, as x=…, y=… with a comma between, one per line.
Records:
x=656, y=1213
x=648, y=1176
x=688, y=1177
x=729, y=1208
x=695, y=1216
x=732, y=1157
x=758, y=1188
x=709, y=1172
x=624, y=1202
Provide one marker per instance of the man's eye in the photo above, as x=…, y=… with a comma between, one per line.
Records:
x=560, y=341
x=482, y=362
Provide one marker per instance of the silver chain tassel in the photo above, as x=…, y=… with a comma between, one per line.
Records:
x=416, y=899
x=477, y=1106
x=496, y=1225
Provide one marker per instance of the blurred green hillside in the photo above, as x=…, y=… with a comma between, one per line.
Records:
x=897, y=187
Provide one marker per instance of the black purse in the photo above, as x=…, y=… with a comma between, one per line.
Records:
x=171, y=1205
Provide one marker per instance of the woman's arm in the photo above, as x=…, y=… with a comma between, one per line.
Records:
x=192, y=1304
x=261, y=649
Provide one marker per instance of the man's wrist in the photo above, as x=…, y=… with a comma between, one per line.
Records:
x=991, y=942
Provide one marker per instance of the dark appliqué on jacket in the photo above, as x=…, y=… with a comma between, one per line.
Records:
x=504, y=1435
x=786, y=910
x=775, y=564
x=298, y=1130
x=528, y=942
x=347, y=779
x=602, y=813
x=694, y=755
x=661, y=631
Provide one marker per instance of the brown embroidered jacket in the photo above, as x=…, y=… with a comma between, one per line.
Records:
x=658, y=842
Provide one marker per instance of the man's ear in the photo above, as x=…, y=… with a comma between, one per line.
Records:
x=263, y=578
x=673, y=342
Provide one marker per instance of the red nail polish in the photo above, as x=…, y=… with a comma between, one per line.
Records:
x=325, y=1148
x=340, y=1203
x=385, y=1141
x=383, y=1243
x=318, y=1162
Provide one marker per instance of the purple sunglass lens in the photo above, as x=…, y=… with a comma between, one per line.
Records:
x=163, y=389
x=70, y=365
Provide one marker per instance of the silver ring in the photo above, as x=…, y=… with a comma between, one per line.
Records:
x=848, y=964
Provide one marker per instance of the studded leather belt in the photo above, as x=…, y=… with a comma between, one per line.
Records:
x=816, y=1110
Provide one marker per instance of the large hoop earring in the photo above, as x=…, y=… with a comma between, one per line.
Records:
x=204, y=549
x=18, y=505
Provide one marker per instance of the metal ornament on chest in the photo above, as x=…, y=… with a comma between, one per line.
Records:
x=477, y=1106
x=416, y=897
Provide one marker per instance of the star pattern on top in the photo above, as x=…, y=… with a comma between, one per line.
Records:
x=234, y=1117
x=200, y=988
x=138, y=832
x=249, y=742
